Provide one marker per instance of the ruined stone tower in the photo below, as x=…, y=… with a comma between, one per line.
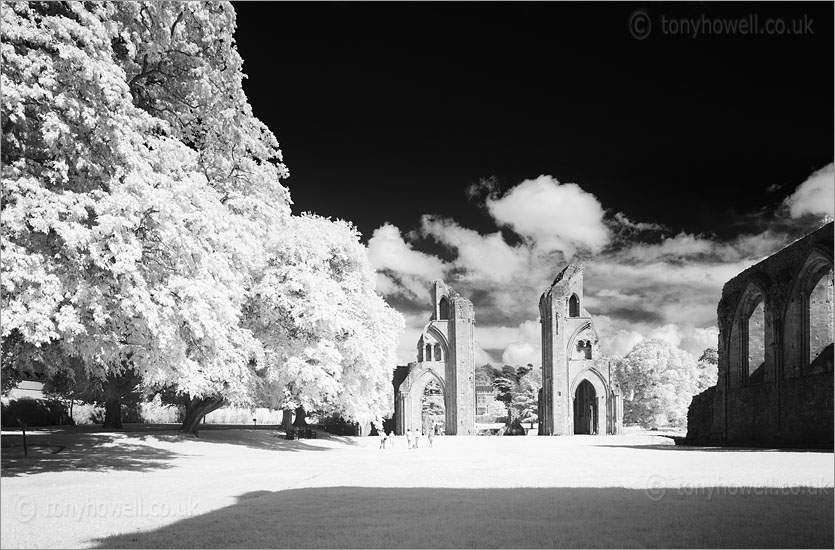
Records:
x=446, y=354
x=577, y=395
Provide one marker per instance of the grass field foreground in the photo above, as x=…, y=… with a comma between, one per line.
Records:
x=252, y=488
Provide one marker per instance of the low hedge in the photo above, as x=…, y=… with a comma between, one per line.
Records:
x=34, y=412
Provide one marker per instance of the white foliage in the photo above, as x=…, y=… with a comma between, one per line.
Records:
x=658, y=381
x=330, y=339
x=144, y=223
x=124, y=236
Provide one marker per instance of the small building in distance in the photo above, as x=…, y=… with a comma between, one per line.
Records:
x=578, y=395
x=775, y=385
x=485, y=396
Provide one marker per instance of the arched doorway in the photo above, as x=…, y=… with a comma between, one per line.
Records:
x=586, y=418
x=433, y=412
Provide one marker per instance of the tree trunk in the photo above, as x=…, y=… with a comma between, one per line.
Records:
x=116, y=386
x=287, y=419
x=113, y=410
x=196, y=410
x=301, y=418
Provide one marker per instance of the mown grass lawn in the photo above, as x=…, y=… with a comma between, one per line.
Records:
x=251, y=488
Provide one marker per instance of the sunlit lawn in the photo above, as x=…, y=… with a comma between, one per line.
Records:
x=251, y=488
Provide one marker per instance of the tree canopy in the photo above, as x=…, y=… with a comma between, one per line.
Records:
x=658, y=381
x=145, y=227
x=518, y=388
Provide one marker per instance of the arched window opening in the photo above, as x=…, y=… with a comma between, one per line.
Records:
x=428, y=356
x=756, y=342
x=583, y=349
x=573, y=306
x=807, y=328
x=443, y=309
x=438, y=356
x=820, y=324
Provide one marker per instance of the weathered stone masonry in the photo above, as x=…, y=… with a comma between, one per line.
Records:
x=775, y=383
x=446, y=354
x=577, y=395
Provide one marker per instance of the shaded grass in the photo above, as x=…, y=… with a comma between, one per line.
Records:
x=79, y=450
x=231, y=488
x=362, y=517
x=90, y=448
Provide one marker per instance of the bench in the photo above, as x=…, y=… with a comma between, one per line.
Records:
x=299, y=433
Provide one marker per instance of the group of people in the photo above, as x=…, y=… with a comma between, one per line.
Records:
x=412, y=438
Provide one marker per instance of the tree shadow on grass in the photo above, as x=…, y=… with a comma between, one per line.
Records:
x=363, y=517
x=271, y=440
x=48, y=452
x=90, y=448
x=263, y=437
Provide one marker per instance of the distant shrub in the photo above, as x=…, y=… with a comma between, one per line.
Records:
x=232, y=415
x=155, y=412
x=86, y=414
x=34, y=412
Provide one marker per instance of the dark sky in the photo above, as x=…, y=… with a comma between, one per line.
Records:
x=387, y=111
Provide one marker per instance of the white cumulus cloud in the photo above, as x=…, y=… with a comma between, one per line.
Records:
x=483, y=257
x=554, y=216
x=388, y=250
x=402, y=270
x=520, y=354
x=816, y=195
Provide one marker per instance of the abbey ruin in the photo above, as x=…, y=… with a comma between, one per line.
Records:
x=775, y=353
x=445, y=358
x=577, y=396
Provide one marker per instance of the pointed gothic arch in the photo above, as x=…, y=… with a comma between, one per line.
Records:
x=573, y=339
x=574, y=306
x=443, y=309
x=590, y=406
x=808, y=318
x=438, y=337
x=749, y=339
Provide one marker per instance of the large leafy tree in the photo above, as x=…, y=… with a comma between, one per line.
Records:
x=127, y=240
x=658, y=381
x=145, y=231
x=182, y=67
x=329, y=338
